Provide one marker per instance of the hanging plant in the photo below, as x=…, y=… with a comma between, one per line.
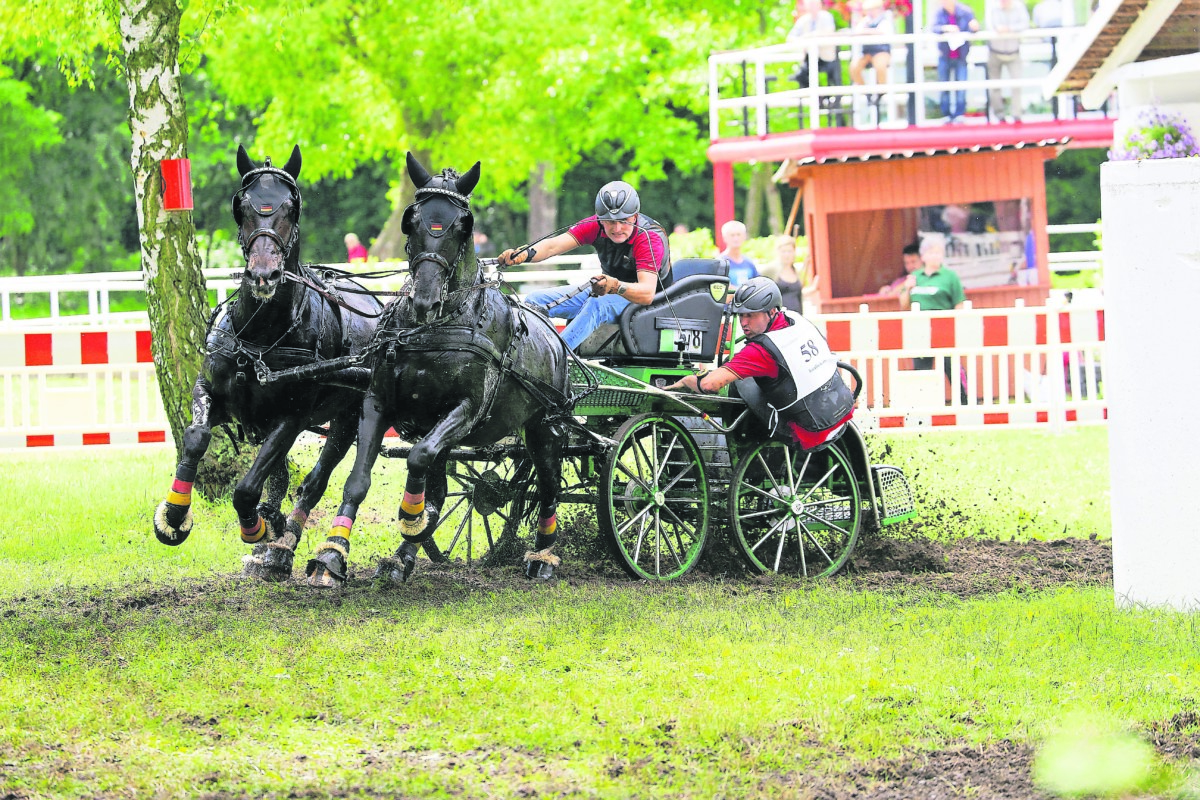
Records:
x=1157, y=134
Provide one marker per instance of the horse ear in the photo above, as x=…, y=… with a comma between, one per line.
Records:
x=292, y=167
x=420, y=176
x=244, y=164
x=467, y=182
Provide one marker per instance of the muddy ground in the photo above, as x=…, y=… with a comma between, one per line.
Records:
x=965, y=568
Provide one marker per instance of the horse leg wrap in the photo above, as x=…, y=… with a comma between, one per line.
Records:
x=413, y=517
x=540, y=562
x=328, y=565
x=173, y=517
x=255, y=532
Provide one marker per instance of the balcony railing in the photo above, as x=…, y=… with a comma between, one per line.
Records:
x=749, y=92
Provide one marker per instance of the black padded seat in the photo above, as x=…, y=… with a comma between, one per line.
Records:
x=689, y=311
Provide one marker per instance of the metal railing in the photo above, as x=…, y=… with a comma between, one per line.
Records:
x=755, y=75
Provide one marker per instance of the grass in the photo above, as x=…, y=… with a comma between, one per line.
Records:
x=132, y=669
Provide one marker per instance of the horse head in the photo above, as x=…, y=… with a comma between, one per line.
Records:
x=267, y=210
x=439, y=227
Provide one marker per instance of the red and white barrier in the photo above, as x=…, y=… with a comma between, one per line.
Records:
x=1036, y=367
x=73, y=386
x=1016, y=366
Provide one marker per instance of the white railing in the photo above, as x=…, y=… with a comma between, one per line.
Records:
x=753, y=95
x=99, y=287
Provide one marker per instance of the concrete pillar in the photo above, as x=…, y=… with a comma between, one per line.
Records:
x=1152, y=290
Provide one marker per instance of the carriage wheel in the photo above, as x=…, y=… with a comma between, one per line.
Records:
x=654, y=498
x=485, y=501
x=795, y=512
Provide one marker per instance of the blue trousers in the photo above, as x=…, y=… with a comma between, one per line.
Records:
x=586, y=313
x=953, y=69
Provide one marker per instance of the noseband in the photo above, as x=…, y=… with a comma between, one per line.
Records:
x=249, y=180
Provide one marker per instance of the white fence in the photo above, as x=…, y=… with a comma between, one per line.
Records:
x=745, y=85
x=1027, y=367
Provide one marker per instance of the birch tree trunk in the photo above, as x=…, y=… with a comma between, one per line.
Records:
x=175, y=291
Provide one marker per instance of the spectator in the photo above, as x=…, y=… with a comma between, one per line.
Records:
x=911, y=256
x=1004, y=54
x=874, y=21
x=741, y=268
x=954, y=17
x=679, y=228
x=794, y=287
x=635, y=262
x=355, y=250
x=934, y=288
x=814, y=23
x=483, y=245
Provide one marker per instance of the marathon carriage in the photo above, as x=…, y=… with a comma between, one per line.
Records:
x=664, y=470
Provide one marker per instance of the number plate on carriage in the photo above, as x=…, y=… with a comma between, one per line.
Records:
x=693, y=342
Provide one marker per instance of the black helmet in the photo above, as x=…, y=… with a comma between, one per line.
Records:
x=756, y=294
x=617, y=200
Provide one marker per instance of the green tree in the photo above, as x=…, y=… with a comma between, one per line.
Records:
x=25, y=130
x=525, y=87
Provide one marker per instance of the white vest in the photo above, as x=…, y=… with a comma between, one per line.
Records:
x=806, y=355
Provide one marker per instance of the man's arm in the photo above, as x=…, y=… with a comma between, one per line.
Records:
x=641, y=292
x=707, y=383
x=539, y=251
x=906, y=292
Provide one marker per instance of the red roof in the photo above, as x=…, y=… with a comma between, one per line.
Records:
x=843, y=144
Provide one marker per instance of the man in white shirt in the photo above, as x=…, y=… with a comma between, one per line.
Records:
x=1004, y=53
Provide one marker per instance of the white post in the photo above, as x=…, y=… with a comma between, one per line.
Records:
x=1152, y=280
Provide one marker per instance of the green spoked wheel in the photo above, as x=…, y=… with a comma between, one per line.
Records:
x=485, y=501
x=654, y=501
x=795, y=512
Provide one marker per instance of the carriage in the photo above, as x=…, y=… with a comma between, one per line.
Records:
x=666, y=472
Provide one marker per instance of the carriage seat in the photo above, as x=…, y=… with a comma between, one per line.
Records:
x=691, y=306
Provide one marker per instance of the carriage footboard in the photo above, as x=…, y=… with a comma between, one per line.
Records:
x=895, y=495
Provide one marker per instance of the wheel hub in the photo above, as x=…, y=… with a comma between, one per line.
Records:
x=797, y=506
x=490, y=492
x=660, y=498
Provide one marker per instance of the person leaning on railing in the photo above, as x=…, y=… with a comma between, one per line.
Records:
x=953, y=17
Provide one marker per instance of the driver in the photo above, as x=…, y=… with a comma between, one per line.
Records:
x=793, y=369
x=635, y=262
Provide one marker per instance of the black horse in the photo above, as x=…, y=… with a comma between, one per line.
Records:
x=458, y=362
x=284, y=315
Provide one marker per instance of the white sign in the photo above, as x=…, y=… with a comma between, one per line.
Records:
x=985, y=259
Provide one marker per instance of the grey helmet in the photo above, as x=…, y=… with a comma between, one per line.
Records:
x=617, y=200
x=756, y=294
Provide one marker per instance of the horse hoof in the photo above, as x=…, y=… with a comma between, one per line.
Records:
x=323, y=579
x=172, y=523
x=277, y=561
x=398, y=568
x=539, y=570
x=328, y=567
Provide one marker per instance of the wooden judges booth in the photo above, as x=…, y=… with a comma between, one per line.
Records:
x=987, y=202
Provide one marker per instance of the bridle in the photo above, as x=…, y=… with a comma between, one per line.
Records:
x=249, y=180
x=446, y=266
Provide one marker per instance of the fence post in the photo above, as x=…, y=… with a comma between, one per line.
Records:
x=1054, y=371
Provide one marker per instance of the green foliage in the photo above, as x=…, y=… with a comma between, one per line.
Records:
x=25, y=130
x=80, y=198
x=1073, y=194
